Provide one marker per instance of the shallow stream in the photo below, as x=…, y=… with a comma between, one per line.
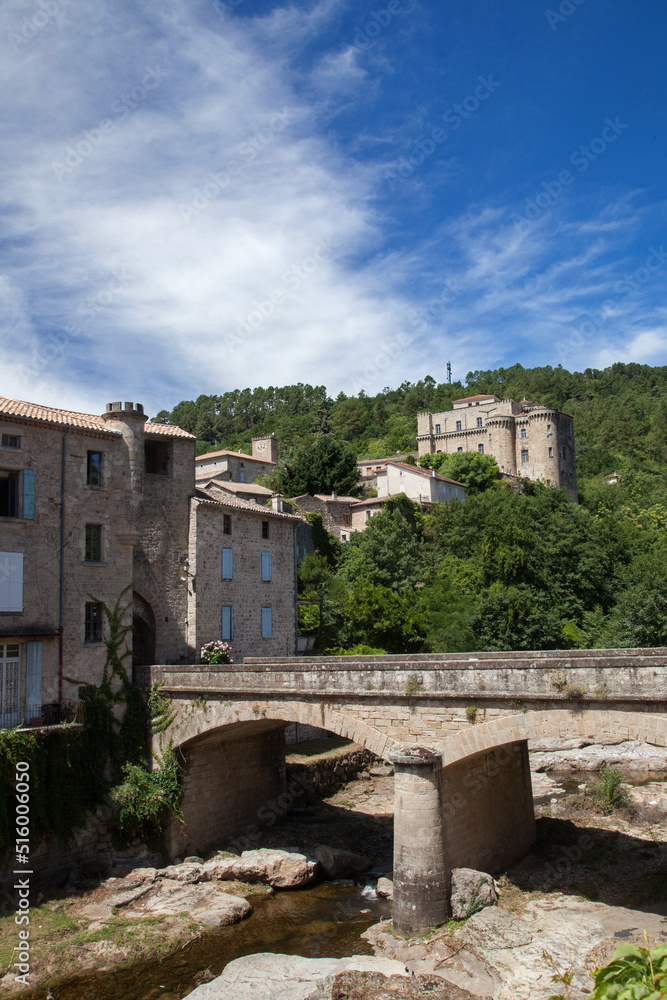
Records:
x=326, y=920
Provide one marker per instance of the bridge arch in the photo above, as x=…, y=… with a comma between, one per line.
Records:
x=593, y=724
x=199, y=718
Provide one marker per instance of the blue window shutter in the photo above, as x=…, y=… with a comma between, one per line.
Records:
x=227, y=623
x=33, y=679
x=227, y=564
x=266, y=623
x=28, y=493
x=266, y=565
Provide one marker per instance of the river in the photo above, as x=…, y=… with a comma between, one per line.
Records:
x=325, y=920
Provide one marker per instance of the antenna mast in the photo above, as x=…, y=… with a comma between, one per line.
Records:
x=449, y=372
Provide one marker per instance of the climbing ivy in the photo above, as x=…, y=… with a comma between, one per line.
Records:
x=72, y=770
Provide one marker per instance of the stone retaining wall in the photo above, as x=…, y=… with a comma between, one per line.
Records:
x=326, y=775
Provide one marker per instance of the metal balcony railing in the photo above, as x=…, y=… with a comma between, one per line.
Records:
x=40, y=715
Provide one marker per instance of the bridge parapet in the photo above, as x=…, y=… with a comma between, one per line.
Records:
x=559, y=677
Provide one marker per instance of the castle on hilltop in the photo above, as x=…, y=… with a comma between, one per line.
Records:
x=525, y=438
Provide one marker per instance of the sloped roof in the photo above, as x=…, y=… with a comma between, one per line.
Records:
x=234, y=503
x=71, y=418
x=470, y=399
x=234, y=454
x=228, y=486
x=426, y=472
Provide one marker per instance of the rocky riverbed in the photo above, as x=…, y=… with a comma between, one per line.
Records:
x=585, y=866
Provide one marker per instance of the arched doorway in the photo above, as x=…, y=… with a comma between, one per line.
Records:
x=143, y=639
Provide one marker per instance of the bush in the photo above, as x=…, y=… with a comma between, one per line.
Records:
x=633, y=974
x=607, y=792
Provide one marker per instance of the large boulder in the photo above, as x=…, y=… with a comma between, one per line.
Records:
x=279, y=869
x=471, y=892
x=336, y=863
x=208, y=903
x=286, y=977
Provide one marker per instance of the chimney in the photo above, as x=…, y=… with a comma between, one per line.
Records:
x=434, y=473
x=334, y=495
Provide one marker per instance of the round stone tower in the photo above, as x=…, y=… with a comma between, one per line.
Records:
x=129, y=419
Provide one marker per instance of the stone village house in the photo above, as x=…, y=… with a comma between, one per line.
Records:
x=91, y=504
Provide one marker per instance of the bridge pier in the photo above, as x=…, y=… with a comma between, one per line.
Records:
x=421, y=876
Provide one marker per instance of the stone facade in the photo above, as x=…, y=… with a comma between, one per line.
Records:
x=100, y=504
x=259, y=572
x=526, y=439
x=236, y=465
x=93, y=505
x=336, y=511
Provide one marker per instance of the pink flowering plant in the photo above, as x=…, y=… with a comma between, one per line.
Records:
x=216, y=652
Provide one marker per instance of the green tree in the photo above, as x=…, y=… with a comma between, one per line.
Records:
x=327, y=466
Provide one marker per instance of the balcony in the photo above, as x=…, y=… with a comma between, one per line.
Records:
x=42, y=716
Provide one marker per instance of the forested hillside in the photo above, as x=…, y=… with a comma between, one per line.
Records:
x=506, y=568
x=620, y=413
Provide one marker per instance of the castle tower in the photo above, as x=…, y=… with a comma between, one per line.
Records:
x=129, y=420
x=265, y=449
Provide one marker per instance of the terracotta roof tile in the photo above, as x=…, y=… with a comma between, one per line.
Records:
x=482, y=395
x=71, y=418
x=234, y=454
x=425, y=472
x=235, y=503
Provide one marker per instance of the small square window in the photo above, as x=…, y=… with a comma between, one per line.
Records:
x=94, y=543
x=265, y=529
x=459, y=449
x=11, y=441
x=94, y=468
x=93, y=623
x=523, y=434
x=226, y=524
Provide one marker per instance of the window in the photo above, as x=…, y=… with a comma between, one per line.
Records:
x=226, y=524
x=347, y=519
x=11, y=581
x=523, y=433
x=480, y=449
x=267, y=630
x=369, y=470
x=524, y=457
x=368, y=515
x=93, y=623
x=94, y=468
x=437, y=428
x=93, y=543
x=459, y=449
x=11, y=441
x=265, y=529
x=569, y=430
x=564, y=452
x=157, y=455
x=227, y=564
x=551, y=453
x=10, y=678
x=266, y=566
x=227, y=623
x=479, y=421
x=548, y=430
x=9, y=493
x=242, y=475
x=458, y=425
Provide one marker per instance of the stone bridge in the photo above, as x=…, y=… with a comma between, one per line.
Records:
x=456, y=727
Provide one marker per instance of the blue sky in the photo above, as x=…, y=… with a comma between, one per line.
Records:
x=200, y=196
